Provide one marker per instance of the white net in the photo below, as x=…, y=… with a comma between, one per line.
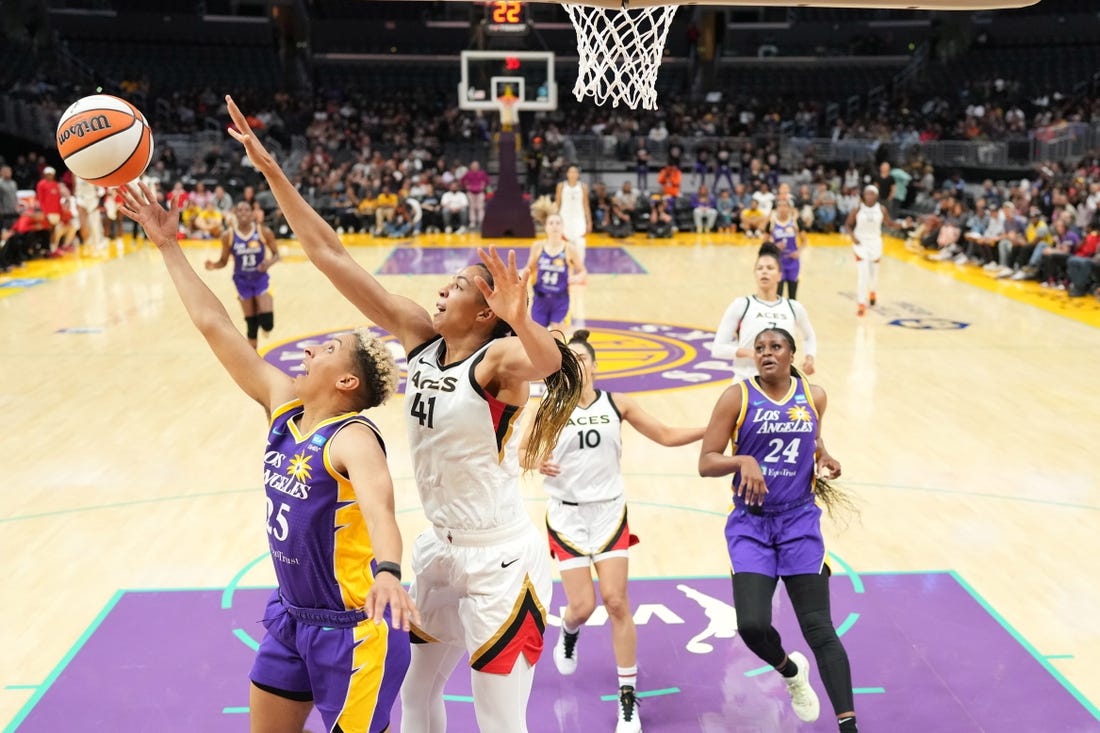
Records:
x=620, y=52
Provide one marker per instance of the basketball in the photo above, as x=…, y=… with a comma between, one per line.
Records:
x=105, y=140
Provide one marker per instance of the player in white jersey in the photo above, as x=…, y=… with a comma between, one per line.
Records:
x=865, y=224
x=482, y=577
x=747, y=316
x=586, y=519
x=571, y=200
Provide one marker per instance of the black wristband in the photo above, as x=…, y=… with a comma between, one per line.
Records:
x=388, y=567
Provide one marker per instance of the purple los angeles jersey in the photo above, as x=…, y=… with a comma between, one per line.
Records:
x=785, y=237
x=248, y=253
x=318, y=536
x=782, y=437
x=552, y=275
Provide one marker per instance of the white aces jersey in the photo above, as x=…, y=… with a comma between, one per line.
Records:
x=574, y=225
x=463, y=441
x=760, y=314
x=589, y=452
x=868, y=228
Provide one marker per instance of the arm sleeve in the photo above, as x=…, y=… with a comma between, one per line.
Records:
x=802, y=320
x=725, y=340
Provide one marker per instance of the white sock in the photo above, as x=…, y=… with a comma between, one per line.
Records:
x=628, y=676
x=566, y=629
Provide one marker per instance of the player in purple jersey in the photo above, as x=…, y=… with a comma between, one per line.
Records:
x=246, y=241
x=551, y=261
x=331, y=527
x=784, y=233
x=481, y=571
x=773, y=422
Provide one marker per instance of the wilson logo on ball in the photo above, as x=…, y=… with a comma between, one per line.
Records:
x=82, y=128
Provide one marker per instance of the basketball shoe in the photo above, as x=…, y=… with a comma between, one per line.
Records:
x=629, y=722
x=565, y=652
x=803, y=698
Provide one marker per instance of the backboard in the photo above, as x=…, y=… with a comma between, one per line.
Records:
x=528, y=74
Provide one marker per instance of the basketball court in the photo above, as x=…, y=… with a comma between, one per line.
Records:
x=961, y=409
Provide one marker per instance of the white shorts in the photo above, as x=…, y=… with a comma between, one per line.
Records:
x=868, y=250
x=484, y=590
x=575, y=233
x=582, y=534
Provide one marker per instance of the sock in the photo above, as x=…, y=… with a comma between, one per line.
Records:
x=788, y=670
x=848, y=725
x=628, y=676
x=566, y=629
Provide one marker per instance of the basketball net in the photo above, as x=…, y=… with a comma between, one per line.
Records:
x=620, y=52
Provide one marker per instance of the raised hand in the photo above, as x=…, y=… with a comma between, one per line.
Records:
x=140, y=204
x=242, y=133
x=508, y=294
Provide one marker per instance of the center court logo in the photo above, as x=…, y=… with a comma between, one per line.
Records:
x=632, y=356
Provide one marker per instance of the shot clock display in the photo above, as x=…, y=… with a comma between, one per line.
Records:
x=506, y=18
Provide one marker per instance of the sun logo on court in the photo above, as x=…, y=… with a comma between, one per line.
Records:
x=634, y=356
x=299, y=467
x=800, y=414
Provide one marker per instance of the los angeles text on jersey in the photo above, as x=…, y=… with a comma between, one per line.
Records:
x=283, y=483
x=447, y=384
x=774, y=423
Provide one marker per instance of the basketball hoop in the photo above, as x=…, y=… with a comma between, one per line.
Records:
x=620, y=50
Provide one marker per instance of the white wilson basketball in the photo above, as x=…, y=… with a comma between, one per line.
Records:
x=105, y=140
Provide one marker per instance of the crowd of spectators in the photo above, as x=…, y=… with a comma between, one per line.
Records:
x=1046, y=230
x=380, y=166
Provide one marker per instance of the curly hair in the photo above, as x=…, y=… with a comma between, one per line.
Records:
x=377, y=370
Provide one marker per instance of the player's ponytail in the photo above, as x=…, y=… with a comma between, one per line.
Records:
x=563, y=392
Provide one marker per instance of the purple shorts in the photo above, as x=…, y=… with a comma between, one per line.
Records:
x=776, y=545
x=252, y=285
x=791, y=268
x=547, y=309
x=354, y=674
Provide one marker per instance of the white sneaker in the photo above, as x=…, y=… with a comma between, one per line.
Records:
x=961, y=259
x=1005, y=272
x=942, y=256
x=629, y=722
x=1021, y=275
x=803, y=698
x=565, y=653
x=990, y=266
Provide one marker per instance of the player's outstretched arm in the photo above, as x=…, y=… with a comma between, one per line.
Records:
x=261, y=381
x=651, y=427
x=405, y=319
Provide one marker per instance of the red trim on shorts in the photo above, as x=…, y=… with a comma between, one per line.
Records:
x=621, y=540
x=522, y=634
x=560, y=549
